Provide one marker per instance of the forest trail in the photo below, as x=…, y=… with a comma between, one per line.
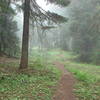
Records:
x=4, y=59
x=65, y=85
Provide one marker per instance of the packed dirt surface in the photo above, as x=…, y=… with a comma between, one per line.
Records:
x=6, y=59
x=65, y=85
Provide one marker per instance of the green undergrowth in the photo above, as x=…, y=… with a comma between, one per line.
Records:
x=88, y=80
x=87, y=76
x=36, y=83
x=39, y=81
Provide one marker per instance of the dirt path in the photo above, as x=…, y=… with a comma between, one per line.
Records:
x=65, y=86
x=5, y=59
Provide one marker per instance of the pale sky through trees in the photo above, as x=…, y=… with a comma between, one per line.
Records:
x=51, y=7
x=45, y=6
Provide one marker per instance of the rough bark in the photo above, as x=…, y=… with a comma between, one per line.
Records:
x=25, y=40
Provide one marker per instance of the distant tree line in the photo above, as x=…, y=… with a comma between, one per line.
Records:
x=85, y=30
x=9, y=42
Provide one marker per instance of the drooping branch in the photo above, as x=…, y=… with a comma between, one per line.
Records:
x=47, y=27
x=59, y=2
x=40, y=16
x=37, y=11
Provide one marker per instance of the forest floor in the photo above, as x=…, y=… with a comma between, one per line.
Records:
x=52, y=75
x=38, y=82
x=4, y=59
x=87, y=76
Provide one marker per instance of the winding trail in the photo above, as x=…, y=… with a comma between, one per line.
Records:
x=65, y=85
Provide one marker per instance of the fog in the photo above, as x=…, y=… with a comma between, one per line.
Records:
x=51, y=34
x=42, y=41
x=72, y=35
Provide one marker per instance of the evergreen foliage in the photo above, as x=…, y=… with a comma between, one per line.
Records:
x=9, y=43
x=85, y=30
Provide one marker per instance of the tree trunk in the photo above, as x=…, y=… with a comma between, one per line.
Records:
x=25, y=40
